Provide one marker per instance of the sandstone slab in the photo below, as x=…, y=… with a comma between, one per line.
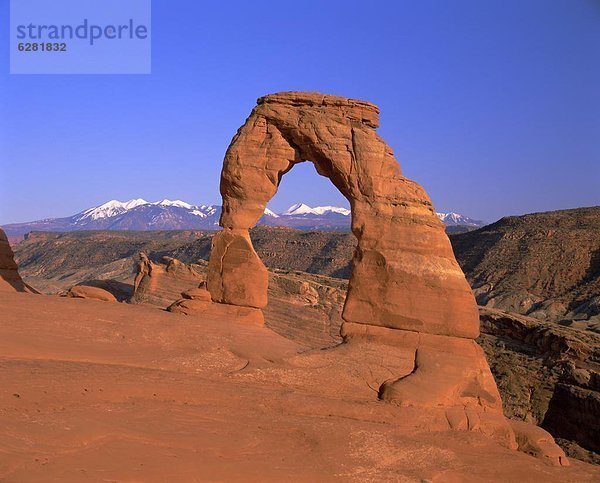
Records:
x=198, y=293
x=94, y=293
x=208, y=309
x=140, y=394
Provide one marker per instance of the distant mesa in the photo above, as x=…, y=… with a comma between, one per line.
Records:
x=142, y=215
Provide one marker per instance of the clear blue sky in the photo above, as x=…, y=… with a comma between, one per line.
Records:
x=494, y=106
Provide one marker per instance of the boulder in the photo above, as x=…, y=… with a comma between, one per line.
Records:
x=161, y=283
x=199, y=293
x=86, y=292
x=535, y=441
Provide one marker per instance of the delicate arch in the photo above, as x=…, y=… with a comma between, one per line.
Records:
x=404, y=274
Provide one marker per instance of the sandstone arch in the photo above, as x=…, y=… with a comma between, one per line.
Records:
x=406, y=289
x=404, y=272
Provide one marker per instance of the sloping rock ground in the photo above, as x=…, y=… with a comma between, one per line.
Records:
x=547, y=374
x=526, y=376
x=93, y=391
x=90, y=292
x=302, y=307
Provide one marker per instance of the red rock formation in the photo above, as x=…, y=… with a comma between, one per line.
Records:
x=10, y=280
x=539, y=443
x=404, y=275
x=234, y=264
x=406, y=288
x=207, y=310
x=87, y=292
x=162, y=283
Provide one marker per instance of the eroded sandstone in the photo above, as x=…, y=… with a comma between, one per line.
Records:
x=406, y=288
x=87, y=292
x=162, y=283
x=10, y=280
x=404, y=273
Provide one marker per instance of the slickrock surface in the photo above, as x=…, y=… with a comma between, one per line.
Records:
x=10, y=280
x=535, y=441
x=93, y=391
x=208, y=309
x=533, y=362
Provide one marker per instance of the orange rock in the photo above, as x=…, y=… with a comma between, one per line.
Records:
x=162, y=283
x=406, y=289
x=87, y=292
x=535, y=441
x=10, y=280
x=404, y=274
x=236, y=275
x=211, y=310
x=197, y=294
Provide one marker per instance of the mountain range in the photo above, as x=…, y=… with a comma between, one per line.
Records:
x=142, y=215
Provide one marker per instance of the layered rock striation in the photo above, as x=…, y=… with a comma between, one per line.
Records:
x=162, y=283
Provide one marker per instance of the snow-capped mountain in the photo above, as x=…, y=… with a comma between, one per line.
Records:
x=111, y=208
x=139, y=214
x=300, y=209
x=455, y=219
x=268, y=212
x=136, y=214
